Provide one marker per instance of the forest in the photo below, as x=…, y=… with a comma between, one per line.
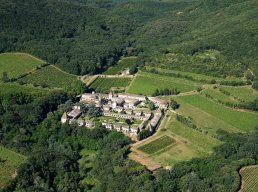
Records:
x=85, y=37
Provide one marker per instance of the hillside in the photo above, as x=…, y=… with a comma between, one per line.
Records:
x=84, y=36
x=178, y=34
x=75, y=37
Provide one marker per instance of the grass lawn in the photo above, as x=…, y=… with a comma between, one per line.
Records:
x=16, y=64
x=249, y=179
x=124, y=63
x=9, y=163
x=147, y=83
x=50, y=76
x=244, y=121
x=245, y=93
x=104, y=84
x=157, y=145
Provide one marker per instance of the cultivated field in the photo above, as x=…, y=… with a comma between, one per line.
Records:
x=50, y=76
x=157, y=145
x=249, y=179
x=245, y=93
x=188, y=143
x=104, y=84
x=124, y=63
x=219, y=96
x=9, y=163
x=244, y=121
x=147, y=83
x=196, y=76
x=16, y=64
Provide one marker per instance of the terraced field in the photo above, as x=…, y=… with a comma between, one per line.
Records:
x=9, y=163
x=51, y=77
x=104, y=84
x=123, y=64
x=16, y=64
x=249, y=179
x=146, y=84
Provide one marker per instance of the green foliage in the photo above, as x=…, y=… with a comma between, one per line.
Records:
x=144, y=134
x=165, y=91
x=157, y=145
x=255, y=85
x=173, y=104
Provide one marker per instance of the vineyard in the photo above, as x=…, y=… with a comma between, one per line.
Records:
x=50, y=77
x=157, y=145
x=16, y=64
x=249, y=179
x=103, y=85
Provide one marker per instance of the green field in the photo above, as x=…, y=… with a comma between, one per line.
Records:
x=123, y=64
x=195, y=76
x=189, y=144
x=16, y=64
x=202, y=142
x=103, y=84
x=244, y=93
x=219, y=96
x=50, y=76
x=9, y=163
x=244, y=121
x=147, y=83
x=157, y=145
x=249, y=179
